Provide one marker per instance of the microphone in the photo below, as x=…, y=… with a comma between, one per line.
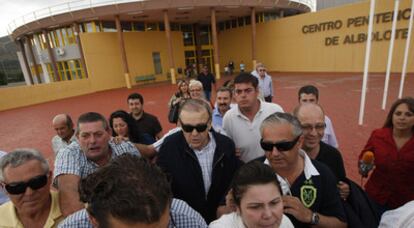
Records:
x=366, y=163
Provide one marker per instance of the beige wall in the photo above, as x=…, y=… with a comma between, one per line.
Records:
x=15, y=97
x=282, y=46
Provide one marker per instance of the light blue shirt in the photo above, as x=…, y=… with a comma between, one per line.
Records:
x=217, y=120
x=3, y=196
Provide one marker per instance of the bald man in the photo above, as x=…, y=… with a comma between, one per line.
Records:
x=63, y=126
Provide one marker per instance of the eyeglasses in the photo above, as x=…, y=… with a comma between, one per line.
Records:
x=190, y=128
x=195, y=90
x=280, y=146
x=240, y=91
x=262, y=70
x=309, y=127
x=20, y=187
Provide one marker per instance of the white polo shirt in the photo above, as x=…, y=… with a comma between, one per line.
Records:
x=246, y=133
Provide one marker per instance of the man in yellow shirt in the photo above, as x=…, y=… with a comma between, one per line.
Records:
x=26, y=177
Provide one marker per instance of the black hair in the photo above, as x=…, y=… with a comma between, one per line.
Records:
x=134, y=96
x=409, y=101
x=225, y=89
x=246, y=78
x=129, y=189
x=309, y=89
x=90, y=117
x=252, y=173
x=133, y=131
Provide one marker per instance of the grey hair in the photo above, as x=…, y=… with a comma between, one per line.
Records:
x=19, y=157
x=195, y=105
x=282, y=118
x=195, y=83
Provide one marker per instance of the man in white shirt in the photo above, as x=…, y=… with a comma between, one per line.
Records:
x=310, y=94
x=242, y=122
x=265, y=82
x=63, y=125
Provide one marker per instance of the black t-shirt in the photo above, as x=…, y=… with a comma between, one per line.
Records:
x=206, y=80
x=332, y=158
x=319, y=194
x=149, y=124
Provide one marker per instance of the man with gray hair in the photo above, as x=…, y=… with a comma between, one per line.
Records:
x=199, y=161
x=265, y=82
x=25, y=175
x=309, y=187
x=65, y=134
x=92, y=150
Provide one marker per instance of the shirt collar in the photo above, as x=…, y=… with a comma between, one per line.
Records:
x=309, y=170
x=261, y=108
x=211, y=144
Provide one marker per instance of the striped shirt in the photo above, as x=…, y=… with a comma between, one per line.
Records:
x=72, y=160
x=205, y=158
x=181, y=216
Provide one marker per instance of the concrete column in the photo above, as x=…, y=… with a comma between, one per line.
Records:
x=38, y=49
x=79, y=43
x=51, y=56
x=30, y=47
x=25, y=63
x=123, y=53
x=253, y=22
x=215, y=43
x=170, y=48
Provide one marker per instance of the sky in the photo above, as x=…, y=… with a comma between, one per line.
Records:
x=12, y=9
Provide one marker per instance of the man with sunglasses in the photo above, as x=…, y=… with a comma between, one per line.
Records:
x=311, y=118
x=309, y=187
x=265, y=82
x=199, y=161
x=242, y=123
x=26, y=177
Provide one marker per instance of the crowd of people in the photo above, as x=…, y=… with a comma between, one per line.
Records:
x=240, y=161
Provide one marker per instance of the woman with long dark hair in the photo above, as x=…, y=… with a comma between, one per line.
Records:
x=391, y=183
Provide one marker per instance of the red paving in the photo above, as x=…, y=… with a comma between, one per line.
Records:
x=339, y=95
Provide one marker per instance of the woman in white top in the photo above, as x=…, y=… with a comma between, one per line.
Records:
x=256, y=195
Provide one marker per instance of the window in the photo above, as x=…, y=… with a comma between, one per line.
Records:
x=126, y=26
x=248, y=20
x=151, y=27
x=175, y=27
x=234, y=23
x=139, y=26
x=156, y=58
x=240, y=21
x=161, y=26
x=108, y=26
x=205, y=35
x=189, y=54
x=221, y=26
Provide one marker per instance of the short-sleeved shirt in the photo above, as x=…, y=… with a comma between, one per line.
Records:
x=332, y=158
x=58, y=143
x=181, y=216
x=246, y=133
x=316, y=189
x=72, y=160
x=149, y=124
x=206, y=80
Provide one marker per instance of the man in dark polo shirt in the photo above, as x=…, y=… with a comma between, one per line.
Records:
x=207, y=79
x=311, y=197
x=148, y=124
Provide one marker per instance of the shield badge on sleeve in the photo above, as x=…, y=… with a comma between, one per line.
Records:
x=308, y=195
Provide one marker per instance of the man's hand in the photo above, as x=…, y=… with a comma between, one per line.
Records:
x=238, y=152
x=293, y=206
x=343, y=189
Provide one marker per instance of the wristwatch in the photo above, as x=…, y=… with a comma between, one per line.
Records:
x=314, y=219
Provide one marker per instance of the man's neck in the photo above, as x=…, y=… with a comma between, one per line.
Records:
x=251, y=112
x=37, y=218
x=105, y=159
x=312, y=152
x=223, y=111
x=137, y=116
x=294, y=171
x=67, y=139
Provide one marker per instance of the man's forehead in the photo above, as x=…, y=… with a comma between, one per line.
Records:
x=243, y=85
x=193, y=115
x=91, y=126
x=134, y=101
x=307, y=95
x=223, y=94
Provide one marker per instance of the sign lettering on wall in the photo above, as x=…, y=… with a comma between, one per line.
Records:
x=354, y=22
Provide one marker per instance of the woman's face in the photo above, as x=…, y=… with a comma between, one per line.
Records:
x=120, y=127
x=195, y=92
x=184, y=88
x=403, y=118
x=261, y=206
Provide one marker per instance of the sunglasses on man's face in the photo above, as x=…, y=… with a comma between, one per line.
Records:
x=280, y=146
x=20, y=187
x=190, y=128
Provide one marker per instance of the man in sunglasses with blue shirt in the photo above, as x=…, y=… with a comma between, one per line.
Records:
x=26, y=177
x=199, y=161
x=309, y=187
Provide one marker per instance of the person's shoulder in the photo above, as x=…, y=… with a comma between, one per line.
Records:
x=7, y=215
x=272, y=107
x=149, y=116
x=286, y=223
x=55, y=138
x=78, y=219
x=231, y=112
x=123, y=147
x=185, y=216
x=328, y=149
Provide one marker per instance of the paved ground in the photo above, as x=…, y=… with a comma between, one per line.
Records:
x=339, y=95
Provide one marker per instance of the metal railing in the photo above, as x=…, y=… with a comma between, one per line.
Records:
x=85, y=4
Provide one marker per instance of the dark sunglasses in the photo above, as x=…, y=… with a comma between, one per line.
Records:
x=280, y=146
x=190, y=128
x=20, y=187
